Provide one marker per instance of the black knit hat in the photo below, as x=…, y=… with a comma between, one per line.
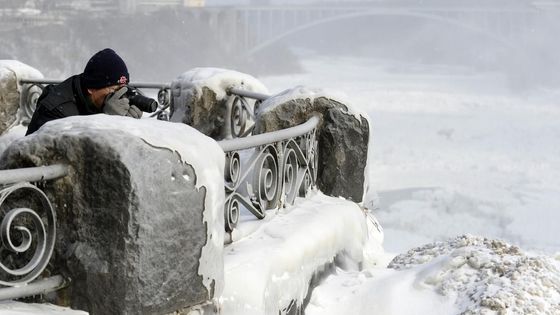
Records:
x=104, y=69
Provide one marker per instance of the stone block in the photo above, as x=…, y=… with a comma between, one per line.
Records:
x=199, y=99
x=343, y=137
x=140, y=215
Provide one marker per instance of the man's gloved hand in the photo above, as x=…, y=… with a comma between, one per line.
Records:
x=116, y=104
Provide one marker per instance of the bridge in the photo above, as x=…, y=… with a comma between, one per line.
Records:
x=256, y=28
x=248, y=29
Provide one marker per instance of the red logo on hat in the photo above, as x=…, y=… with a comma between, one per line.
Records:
x=122, y=80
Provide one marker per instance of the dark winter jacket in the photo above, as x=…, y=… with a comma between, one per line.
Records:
x=61, y=100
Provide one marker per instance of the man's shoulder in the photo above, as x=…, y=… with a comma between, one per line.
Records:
x=56, y=95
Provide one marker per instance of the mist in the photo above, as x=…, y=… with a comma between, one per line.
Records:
x=159, y=42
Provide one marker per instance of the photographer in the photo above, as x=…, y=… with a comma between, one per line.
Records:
x=101, y=88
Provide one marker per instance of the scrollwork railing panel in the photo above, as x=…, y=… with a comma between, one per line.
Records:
x=270, y=170
x=240, y=112
x=28, y=234
x=28, y=225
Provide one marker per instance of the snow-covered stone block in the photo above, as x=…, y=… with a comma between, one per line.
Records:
x=199, y=98
x=140, y=214
x=11, y=71
x=343, y=136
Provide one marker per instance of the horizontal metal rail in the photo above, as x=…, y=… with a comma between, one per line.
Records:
x=150, y=85
x=40, y=81
x=33, y=174
x=34, y=288
x=249, y=94
x=269, y=137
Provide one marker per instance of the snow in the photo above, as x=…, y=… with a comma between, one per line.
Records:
x=486, y=275
x=303, y=92
x=9, y=68
x=19, y=308
x=454, y=153
x=16, y=132
x=464, y=275
x=275, y=263
x=220, y=80
x=376, y=291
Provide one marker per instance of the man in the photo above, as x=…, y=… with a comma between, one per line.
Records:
x=99, y=89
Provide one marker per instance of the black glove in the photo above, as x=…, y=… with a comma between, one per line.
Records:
x=116, y=104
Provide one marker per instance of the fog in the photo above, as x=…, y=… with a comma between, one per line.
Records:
x=160, y=40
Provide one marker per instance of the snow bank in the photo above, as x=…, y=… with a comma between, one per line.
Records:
x=465, y=275
x=272, y=266
x=376, y=291
x=484, y=275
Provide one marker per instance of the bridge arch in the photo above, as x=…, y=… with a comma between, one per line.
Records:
x=346, y=16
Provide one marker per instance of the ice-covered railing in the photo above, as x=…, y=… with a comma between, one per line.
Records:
x=32, y=89
x=28, y=231
x=269, y=170
x=262, y=172
x=240, y=113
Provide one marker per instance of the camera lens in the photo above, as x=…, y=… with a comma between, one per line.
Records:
x=143, y=103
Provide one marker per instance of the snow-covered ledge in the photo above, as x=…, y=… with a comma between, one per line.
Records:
x=273, y=268
x=140, y=213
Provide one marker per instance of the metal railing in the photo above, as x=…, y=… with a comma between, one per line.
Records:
x=262, y=172
x=240, y=116
x=27, y=230
x=269, y=170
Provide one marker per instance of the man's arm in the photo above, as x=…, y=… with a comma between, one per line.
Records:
x=41, y=116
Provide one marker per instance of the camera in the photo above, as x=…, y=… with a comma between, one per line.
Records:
x=145, y=104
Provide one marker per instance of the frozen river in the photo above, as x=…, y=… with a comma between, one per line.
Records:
x=454, y=151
